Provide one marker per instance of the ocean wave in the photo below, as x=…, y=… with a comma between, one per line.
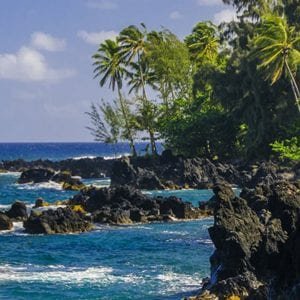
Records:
x=102, y=182
x=5, y=206
x=180, y=282
x=17, y=229
x=12, y=174
x=204, y=241
x=38, y=186
x=116, y=156
x=183, y=233
x=61, y=274
x=84, y=157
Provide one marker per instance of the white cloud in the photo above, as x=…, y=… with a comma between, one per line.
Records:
x=209, y=2
x=29, y=65
x=102, y=4
x=95, y=38
x=175, y=15
x=43, y=41
x=226, y=15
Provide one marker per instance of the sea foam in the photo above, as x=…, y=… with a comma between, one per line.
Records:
x=68, y=275
x=37, y=186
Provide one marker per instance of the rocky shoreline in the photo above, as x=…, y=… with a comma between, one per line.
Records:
x=166, y=171
x=256, y=234
x=257, y=240
x=114, y=206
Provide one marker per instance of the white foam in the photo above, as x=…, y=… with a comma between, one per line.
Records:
x=17, y=229
x=176, y=282
x=13, y=174
x=204, y=241
x=84, y=157
x=53, y=207
x=103, y=182
x=37, y=186
x=116, y=156
x=5, y=206
x=182, y=233
x=67, y=275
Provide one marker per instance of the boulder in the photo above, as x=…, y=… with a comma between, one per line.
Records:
x=68, y=181
x=36, y=175
x=5, y=222
x=40, y=202
x=18, y=211
x=61, y=220
x=123, y=173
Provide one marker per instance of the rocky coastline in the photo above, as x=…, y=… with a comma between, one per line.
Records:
x=115, y=206
x=256, y=234
x=257, y=242
x=166, y=171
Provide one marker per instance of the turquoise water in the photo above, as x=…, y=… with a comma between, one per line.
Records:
x=153, y=261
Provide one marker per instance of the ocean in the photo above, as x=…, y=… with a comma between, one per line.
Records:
x=150, y=262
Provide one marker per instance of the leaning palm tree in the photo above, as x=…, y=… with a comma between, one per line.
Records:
x=133, y=49
x=133, y=46
x=110, y=67
x=277, y=46
x=203, y=42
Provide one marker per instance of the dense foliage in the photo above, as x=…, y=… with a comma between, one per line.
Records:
x=224, y=92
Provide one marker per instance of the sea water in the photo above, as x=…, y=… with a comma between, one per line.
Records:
x=149, y=261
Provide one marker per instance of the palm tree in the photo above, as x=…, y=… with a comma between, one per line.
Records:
x=277, y=46
x=135, y=81
x=133, y=49
x=110, y=67
x=203, y=42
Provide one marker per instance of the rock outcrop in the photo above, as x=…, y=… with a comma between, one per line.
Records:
x=168, y=171
x=126, y=205
x=18, y=211
x=257, y=240
x=86, y=167
x=36, y=175
x=5, y=222
x=40, y=175
x=61, y=220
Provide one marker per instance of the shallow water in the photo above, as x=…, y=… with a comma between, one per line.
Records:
x=153, y=261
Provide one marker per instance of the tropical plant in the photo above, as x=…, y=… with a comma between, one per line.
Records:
x=277, y=46
x=104, y=124
x=110, y=67
x=288, y=149
x=203, y=43
x=133, y=49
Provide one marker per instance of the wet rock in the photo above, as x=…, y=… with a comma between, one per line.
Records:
x=18, y=211
x=5, y=222
x=126, y=205
x=86, y=167
x=67, y=181
x=62, y=220
x=36, y=175
x=40, y=202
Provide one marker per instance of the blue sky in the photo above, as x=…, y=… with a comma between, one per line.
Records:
x=46, y=80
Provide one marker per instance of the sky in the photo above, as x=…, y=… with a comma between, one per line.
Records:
x=46, y=72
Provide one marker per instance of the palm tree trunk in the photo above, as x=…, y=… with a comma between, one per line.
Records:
x=128, y=129
x=295, y=87
x=152, y=142
x=142, y=77
x=145, y=100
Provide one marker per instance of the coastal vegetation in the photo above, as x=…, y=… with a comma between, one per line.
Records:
x=228, y=91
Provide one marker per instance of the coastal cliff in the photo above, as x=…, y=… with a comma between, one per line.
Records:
x=257, y=240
